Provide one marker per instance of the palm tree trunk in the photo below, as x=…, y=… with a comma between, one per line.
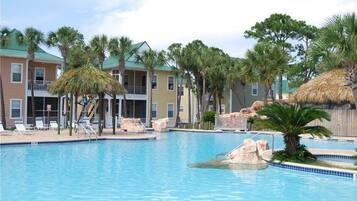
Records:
x=32, y=92
x=219, y=105
x=189, y=103
x=203, y=96
x=215, y=103
x=292, y=143
x=266, y=94
x=272, y=94
x=237, y=94
x=150, y=98
x=178, y=104
x=280, y=85
x=114, y=101
x=2, y=105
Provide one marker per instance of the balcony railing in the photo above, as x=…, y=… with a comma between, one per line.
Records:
x=135, y=90
x=41, y=85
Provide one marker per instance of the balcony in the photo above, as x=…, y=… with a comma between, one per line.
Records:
x=135, y=89
x=40, y=85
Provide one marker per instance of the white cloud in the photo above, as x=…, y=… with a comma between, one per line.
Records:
x=219, y=23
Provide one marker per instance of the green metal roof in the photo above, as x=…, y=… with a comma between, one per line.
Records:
x=112, y=61
x=14, y=49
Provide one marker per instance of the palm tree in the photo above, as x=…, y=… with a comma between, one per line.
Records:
x=339, y=37
x=4, y=42
x=120, y=47
x=265, y=62
x=32, y=38
x=292, y=121
x=151, y=59
x=65, y=38
x=99, y=45
x=176, y=55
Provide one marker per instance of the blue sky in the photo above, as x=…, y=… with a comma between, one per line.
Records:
x=219, y=23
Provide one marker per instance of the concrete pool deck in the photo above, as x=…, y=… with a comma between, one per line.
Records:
x=52, y=136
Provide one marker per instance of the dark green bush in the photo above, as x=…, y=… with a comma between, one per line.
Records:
x=301, y=156
x=209, y=116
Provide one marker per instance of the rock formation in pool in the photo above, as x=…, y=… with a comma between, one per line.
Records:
x=251, y=155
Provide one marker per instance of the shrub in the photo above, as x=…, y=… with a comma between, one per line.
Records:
x=302, y=155
x=209, y=116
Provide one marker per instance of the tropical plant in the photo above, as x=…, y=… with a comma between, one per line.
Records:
x=65, y=38
x=265, y=61
x=176, y=55
x=209, y=116
x=99, y=45
x=120, y=47
x=292, y=121
x=4, y=42
x=32, y=38
x=278, y=29
x=338, y=39
x=151, y=59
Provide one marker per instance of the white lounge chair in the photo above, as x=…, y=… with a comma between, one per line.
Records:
x=40, y=125
x=53, y=125
x=3, y=131
x=20, y=127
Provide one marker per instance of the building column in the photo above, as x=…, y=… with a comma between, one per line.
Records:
x=134, y=84
x=119, y=111
x=147, y=101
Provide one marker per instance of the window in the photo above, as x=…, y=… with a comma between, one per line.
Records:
x=181, y=108
x=154, y=110
x=154, y=82
x=180, y=91
x=255, y=89
x=170, y=83
x=170, y=110
x=126, y=80
x=15, y=105
x=115, y=74
x=16, y=73
x=39, y=75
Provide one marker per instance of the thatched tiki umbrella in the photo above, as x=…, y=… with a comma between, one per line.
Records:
x=328, y=88
x=85, y=81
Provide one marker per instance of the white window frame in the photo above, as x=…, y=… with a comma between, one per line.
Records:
x=173, y=110
x=15, y=99
x=157, y=81
x=116, y=75
x=22, y=68
x=44, y=74
x=254, y=86
x=173, y=81
x=156, y=110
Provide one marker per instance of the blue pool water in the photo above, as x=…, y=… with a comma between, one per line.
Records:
x=156, y=170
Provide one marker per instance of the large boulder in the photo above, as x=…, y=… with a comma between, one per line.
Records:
x=160, y=125
x=250, y=152
x=132, y=125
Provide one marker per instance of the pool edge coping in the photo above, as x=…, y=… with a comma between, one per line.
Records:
x=315, y=169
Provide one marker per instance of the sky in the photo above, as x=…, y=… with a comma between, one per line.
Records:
x=218, y=23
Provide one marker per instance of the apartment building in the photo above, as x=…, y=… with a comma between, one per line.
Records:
x=15, y=74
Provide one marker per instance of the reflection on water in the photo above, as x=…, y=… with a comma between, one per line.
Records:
x=223, y=164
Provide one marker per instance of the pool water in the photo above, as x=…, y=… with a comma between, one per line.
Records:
x=156, y=170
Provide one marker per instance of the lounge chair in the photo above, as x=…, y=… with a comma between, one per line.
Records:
x=3, y=131
x=53, y=124
x=40, y=125
x=20, y=127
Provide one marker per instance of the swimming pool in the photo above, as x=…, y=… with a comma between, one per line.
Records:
x=156, y=170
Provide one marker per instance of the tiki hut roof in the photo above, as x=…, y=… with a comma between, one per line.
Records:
x=327, y=88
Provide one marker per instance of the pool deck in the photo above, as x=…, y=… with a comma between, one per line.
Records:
x=52, y=136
